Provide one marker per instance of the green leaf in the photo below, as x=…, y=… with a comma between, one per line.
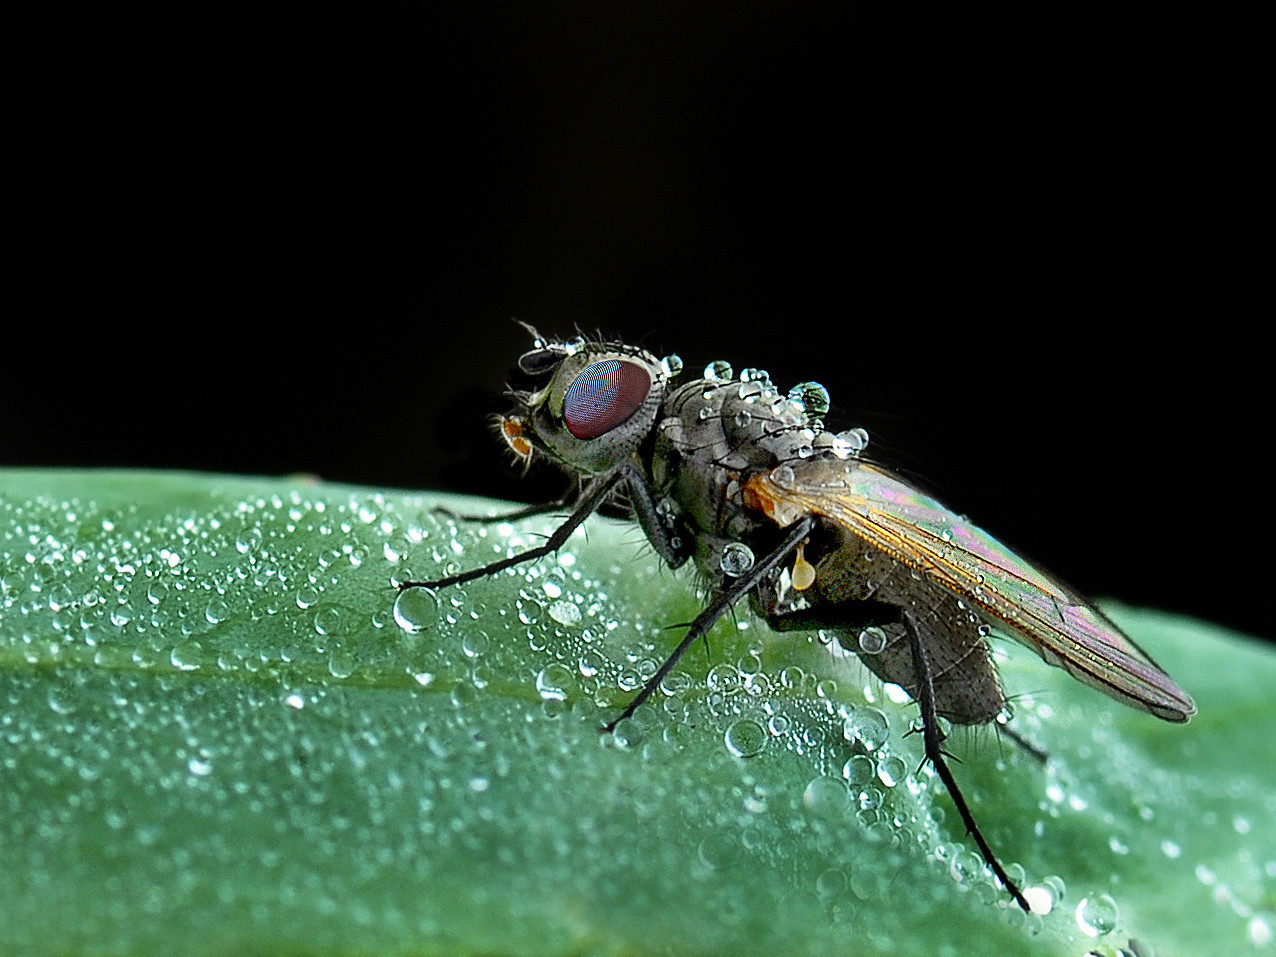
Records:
x=220, y=735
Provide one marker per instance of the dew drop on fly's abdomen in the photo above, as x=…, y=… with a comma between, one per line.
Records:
x=872, y=640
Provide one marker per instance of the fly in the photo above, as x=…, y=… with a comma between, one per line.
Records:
x=746, y=483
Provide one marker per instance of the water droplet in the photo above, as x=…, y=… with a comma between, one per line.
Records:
x=812, y=396
x=859, y=770
x=1039, y=899
x=737, y=558
x=590, y=664
x=892, y=771
x=475, y=644
x=1260, y=930
x=553, y=681
x=199, y=768
x=782, y=475
x=341, y=664
x=186, y=656
x=156, y=591
x=565, y=612
x=671, y=365
x=868, y=726
x=529, y=611
x=826, y=797
x=628, y=733
x=415, y=609
x=831, y=884
x=1097, y=915
x=61, y=701
x=248, y=540
x=216, y=611
x=723, y=678
x=850, y=443
x=719, y=850
x=872, y=640
x=719, y=371
x=327, y=620
x=745, y=738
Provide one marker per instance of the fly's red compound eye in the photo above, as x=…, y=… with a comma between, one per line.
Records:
x=603, y=396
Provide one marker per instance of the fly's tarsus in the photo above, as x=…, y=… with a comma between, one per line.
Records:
x=593, y=497
x=933, y=744
x=1024, y=743
x=519, y=513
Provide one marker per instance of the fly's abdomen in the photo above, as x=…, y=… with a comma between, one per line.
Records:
x=967, y=690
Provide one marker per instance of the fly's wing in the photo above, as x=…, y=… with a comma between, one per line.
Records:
x=1063, y=628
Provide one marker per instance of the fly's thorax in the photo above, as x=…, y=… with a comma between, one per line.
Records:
x=596, y=403
x=711, y=434
x=742, y=425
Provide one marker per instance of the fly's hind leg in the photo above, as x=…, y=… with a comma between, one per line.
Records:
x=864, y=614
x=933, y=740
x=852, y=616
x=1023, y=742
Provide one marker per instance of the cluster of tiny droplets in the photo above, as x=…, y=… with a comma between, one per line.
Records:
x=180, y=593
x=806, y=401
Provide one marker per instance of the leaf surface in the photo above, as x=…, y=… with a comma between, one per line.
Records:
x=220, y=734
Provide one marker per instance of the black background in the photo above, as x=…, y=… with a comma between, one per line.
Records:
x=1018, y=245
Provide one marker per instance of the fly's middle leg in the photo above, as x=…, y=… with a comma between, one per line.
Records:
x=933, y=741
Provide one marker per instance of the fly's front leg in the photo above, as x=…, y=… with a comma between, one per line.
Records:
x=716, y=608
x=933, y=741
x=593, y=497
x=665, y=532
x=543, y=508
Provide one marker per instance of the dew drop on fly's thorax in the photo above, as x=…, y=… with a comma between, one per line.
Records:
x=718, y=371
x=744, y=482
x=811, y=396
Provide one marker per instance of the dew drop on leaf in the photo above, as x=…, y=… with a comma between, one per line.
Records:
x=1097, y=915
x=415, y=610
x=745, y=738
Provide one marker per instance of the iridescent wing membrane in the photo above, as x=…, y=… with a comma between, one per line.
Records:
x=1063, y=628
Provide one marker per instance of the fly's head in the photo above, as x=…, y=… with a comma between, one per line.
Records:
x=589, y=405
